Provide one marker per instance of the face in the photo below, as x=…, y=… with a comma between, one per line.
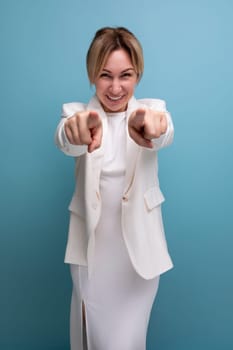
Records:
x=116, y=82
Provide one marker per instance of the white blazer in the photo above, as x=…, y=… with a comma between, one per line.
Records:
x=142, y=225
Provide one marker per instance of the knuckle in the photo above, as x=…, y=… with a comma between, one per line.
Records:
x=71, y=122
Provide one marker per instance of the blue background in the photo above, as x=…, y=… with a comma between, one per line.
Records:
x=188, y=51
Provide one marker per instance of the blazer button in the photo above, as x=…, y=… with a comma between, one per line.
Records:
x=125, y=199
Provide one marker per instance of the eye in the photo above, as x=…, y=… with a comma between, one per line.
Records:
x=126, y=75
x=105, y=75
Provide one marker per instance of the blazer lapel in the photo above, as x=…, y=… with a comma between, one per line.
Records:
x=97, y=155
x=132, y=149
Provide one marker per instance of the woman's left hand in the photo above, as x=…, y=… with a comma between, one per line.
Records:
x=145, y=125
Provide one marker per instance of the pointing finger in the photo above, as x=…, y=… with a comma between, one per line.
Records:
x=137, y=120
x=93, y=120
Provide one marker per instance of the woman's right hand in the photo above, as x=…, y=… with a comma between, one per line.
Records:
x=84, y=128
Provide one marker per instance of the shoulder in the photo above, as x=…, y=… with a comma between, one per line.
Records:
x=68, y=109
x=153, y=103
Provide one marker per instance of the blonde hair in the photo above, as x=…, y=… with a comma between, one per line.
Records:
x=107, y=40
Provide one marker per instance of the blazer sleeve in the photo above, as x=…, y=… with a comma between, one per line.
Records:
x=61, y=139
x=167, y=138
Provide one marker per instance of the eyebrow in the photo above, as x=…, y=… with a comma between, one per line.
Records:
x=124, y=71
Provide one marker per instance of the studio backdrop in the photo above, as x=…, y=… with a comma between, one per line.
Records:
x=188, y=50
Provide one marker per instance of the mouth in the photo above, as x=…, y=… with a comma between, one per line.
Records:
x=114, y=98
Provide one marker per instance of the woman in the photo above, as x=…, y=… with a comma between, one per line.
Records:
x=116, y=245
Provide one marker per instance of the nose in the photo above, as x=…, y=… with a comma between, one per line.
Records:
x=115, y=87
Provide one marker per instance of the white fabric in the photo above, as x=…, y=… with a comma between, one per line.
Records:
x=117, y=300
x=142, y=224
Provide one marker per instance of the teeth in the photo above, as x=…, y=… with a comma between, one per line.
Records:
x=114, y=98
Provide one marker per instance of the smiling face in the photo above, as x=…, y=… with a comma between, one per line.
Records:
x=116, y=82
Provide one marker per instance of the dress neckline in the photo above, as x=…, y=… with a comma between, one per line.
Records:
x=116, y=114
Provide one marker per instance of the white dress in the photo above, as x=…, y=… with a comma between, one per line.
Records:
x=117, y=300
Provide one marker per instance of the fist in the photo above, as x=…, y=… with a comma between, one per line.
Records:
x=84, y=128
x=145, y=125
